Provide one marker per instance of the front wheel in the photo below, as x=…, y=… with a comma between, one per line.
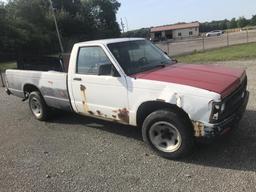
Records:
x=168, y=133
x=38, y=106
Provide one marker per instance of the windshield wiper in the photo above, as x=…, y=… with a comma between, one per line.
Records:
x=161, y=65
x=166, y=62
x=152, y=67
x=147, y=68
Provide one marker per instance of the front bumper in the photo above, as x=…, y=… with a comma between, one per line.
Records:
x=217, y=129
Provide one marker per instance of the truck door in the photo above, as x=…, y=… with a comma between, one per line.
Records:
x=97, y=88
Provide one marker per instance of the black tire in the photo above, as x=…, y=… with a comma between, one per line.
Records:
x=178, y=123
x=38, y=106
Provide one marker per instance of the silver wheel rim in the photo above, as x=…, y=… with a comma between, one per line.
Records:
x=165, y=136
x=36, y=107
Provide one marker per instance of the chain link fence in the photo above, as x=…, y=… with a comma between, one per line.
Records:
x=181, y=47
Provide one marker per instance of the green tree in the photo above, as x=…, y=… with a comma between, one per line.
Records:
x=223, y=24
x=27, y=26
x=253, y=20
x=232, y=23
x=29, y=30
x=242, y=22
x=144, y=33
x=104, y=14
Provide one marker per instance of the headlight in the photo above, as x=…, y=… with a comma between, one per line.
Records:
x=218, y=108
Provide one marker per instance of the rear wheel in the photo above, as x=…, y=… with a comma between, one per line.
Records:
x=38, y=106
x=168, y=133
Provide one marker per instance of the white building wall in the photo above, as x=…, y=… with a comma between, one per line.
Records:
x=185, y=33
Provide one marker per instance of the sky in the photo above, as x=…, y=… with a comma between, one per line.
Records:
x=147, y=13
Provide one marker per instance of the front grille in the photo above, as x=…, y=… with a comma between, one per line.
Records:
x=234, y=101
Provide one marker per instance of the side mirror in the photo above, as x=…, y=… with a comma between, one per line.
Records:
x=105, y=69
x=174, y=60
x=108, y=69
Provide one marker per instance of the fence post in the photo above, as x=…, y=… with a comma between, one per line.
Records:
x=247, y=35
x=203, y=44
x=227, y=38
x=168, y=48
x=2, y=79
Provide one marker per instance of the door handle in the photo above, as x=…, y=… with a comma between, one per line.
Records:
x=77, y=79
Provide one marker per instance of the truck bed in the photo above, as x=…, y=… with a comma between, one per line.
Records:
x=51, y=84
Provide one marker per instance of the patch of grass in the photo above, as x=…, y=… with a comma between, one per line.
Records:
x=8, y=65
x=235, y=52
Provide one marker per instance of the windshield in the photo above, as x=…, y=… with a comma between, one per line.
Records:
x=138, y=56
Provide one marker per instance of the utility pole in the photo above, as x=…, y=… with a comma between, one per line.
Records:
x=122, y=25
x=56, y=26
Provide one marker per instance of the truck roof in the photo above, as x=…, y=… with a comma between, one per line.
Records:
x=108, y=41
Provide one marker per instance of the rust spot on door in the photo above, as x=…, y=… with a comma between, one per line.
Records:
x=99, y=113
x=84, y=100
x=82, y=88
x=90, y=112
x=123, y=115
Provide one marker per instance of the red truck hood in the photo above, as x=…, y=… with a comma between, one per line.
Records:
x=218, y=79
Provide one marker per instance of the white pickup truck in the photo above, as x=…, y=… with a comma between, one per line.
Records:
x=133, y=82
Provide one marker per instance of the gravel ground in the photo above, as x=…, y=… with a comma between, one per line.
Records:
x=73, y=153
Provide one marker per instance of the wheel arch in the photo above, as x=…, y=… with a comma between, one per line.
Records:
x=148, y=107
x=29, y=88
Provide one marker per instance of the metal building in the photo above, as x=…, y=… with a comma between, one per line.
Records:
x=176, y=31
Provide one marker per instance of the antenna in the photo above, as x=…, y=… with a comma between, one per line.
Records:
x=56, y=26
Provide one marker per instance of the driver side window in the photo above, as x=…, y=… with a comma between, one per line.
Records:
x=90, y=59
